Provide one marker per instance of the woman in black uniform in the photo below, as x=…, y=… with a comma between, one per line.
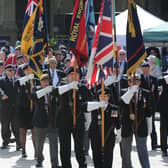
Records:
x=112, y=122
x=25, y=110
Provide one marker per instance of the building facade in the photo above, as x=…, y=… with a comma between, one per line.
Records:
x=59, y=15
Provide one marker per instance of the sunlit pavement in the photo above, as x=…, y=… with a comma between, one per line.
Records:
x=10, y=158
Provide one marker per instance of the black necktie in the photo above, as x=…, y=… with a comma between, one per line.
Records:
x=12, y=81
x=148, y=81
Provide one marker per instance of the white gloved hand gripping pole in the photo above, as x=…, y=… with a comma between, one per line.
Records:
x=91, y=106
x=111, y=79
x=129, y=94
x=65, y=88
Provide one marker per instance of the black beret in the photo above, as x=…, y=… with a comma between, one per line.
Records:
x=71, y=69
x=145, y=64
x=20, y=56
x=106, y=91
x=17, y=47
x=10, y=66
x=24, y=66
x=67, y=59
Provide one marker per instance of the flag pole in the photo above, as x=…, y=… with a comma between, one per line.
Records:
x=135, y=109
x=115, y=51
x=102, y=120
x=31, y=90
x=115, y=54
x=74, y=94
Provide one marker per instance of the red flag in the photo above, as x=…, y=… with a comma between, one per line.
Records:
x=77, y=40
x=11, y=60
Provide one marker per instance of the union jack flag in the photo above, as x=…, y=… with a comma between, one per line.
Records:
x=101, y=60
x=31, y=5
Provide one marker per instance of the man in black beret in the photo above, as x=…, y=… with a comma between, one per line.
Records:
x=150, y=83
x=20, y=59
x=9, y=86
x=162, y=108
x=44, y=120
x=59, y=57
x=135, y=122
x=65, y=119
x=111, y=122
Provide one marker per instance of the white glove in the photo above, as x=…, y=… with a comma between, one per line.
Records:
x=88, y=121
x=118, y=136
x=26, y=78
x=129, y=94
x=127, y=97
x=166, y=79
x=91, y=106
x=111, y=79
x=149, y=124
x=42, y=92
x=133, y=88
x=66, y=88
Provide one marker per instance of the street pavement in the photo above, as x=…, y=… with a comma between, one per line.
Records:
x=10, y=158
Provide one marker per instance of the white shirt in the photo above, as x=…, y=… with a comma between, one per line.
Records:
x=54, y=76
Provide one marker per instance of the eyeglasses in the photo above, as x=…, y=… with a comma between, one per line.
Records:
x=11, y=70
x=122, y=54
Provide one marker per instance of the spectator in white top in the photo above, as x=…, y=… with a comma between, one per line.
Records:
x=154, y=68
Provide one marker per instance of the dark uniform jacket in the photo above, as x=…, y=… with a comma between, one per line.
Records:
x=43, y=118
x=152, y=98
x=41, y=114
x=110, y=121
x=163, y=100
x=128, y=125
x=24, y=97
x=10, y=89
x=65, y=116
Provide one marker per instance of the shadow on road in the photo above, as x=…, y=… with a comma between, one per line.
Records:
x=23, y=163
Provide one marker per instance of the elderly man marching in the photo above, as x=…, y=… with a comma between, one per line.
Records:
x=9, y=87
x=65, y=119
x=44, y=118
x=136, y=120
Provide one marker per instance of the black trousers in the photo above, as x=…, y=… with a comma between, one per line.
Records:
x=163, y=131
x=153, y=134
x=65, y=146
x=9, y=123
x=53, y=144
x=102, y=159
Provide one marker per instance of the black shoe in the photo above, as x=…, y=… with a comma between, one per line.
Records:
x=154, y=147
x=12, y=140
x=84, y=166
x=164, y=154
x=39, y=164
x=18, y=147
x=24, y=155
x=4, y=146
